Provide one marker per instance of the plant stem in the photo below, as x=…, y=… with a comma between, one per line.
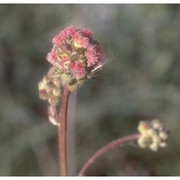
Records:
x=62, y=133
x=106, y=148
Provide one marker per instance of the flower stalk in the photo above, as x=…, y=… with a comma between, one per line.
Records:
x=106, y=148
x=62, y=133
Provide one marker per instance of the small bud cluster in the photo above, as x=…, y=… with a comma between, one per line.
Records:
x=75, y=57
x=50, y=88
x=153, y=135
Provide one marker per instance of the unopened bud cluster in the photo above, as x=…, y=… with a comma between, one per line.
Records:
x=153, y=135
x=75, y=57
x=50, y=88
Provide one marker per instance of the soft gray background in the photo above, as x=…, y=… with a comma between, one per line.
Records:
x=139, y=81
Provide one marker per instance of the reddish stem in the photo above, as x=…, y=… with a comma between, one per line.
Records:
x=106, y=148
x=62, y=133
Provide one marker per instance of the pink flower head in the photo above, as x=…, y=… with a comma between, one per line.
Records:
x=52, y=57
x=63, y=63
x=77, y=70
x=91, y=55
x=59, y=39
x=75, y=54
x=70, y=30
x=86, y=32
x=75, y=57
x=79, y=40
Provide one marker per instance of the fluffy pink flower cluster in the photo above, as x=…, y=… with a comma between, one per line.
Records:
x=75, y=53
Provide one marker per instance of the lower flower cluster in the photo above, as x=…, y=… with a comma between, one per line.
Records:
x=152, y=135
x=50, y=88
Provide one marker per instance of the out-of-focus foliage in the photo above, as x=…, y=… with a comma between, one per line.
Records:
x=139, y=81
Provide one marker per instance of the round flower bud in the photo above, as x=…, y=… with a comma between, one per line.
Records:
x=152, y=135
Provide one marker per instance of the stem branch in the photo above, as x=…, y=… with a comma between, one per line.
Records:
x=106, y=148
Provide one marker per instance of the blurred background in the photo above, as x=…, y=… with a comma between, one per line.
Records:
x=140, y=81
